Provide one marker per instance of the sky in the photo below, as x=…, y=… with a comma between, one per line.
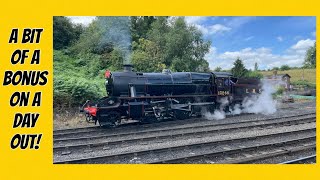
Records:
x=270, y=41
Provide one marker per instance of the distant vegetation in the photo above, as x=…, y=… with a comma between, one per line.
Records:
x=303, y=77
x=240, y=71
x=310, y=57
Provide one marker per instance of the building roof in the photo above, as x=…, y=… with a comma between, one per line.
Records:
x=222, y=74
x=278, y=76
x=282, y=75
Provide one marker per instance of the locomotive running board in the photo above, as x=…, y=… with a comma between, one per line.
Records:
x=180, y=106
x=203, y=103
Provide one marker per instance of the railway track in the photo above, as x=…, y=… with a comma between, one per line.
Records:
x=75, y=130
x=169, y=134
x=277, y=152
x=94, y=133
x=301, y=160
x=263, y=155
x=210, y=143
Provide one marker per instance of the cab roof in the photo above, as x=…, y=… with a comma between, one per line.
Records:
x=222, y=74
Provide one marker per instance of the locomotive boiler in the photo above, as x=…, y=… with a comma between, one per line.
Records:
x=166, y=95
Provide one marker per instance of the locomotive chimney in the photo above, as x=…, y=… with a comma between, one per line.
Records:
x=127, y=67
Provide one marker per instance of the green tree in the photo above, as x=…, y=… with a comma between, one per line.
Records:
x=254, y=74
x=185, y=47
x=177, y=46
x=116, y=59
x=147, y=57
x=217, y=69
x=140, y=25
x=239, y=69
x=310, y=57
x=203, y=66
x=64, y=32
x=284, y=67
x=104, y=34
x=89, y=39
x=115, y=34
x=157, y=34
x=110, y=39
x=256, y=66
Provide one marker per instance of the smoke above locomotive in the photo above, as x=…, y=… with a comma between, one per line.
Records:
x=116, y=33
x=166, y=95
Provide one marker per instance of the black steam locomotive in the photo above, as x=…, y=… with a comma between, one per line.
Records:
x=166, y=95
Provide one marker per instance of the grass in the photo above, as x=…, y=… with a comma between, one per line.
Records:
x=297, y=75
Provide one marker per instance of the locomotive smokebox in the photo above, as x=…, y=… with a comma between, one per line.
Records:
x=127, y=67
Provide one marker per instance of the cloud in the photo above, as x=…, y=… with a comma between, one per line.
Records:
x=218, y=28
x=212, y=53
x=213, y=29
x=203, y=29
x=248, y=38
x=303, y=44
x=300, y=47
x=237, y=22
x=84, y=20
x=280, y=39
x=230, y=23
x=297, y=38
x=293, y=56
x=195, y=19
x=207, y=30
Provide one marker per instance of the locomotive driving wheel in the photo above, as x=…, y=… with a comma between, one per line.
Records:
x=181, y=114
x=111, y=118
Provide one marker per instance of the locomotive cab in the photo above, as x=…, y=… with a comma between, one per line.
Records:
x=223, y=81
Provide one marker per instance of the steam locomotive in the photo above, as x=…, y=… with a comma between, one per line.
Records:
x=166, y=95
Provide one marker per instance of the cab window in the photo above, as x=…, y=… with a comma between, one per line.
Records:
x=220, y=82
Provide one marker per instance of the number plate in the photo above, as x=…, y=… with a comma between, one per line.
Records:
x=223, y=93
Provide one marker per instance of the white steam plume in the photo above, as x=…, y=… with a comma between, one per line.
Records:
x=115, y=31
x=236, y=110
x=217, y=115
x=260, y=104
x=263, y=103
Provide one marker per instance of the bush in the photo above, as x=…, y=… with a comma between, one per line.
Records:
x=254, y=74
x=72, y=91
x=77, y=79
x=280, y=90
x=284, y=68
x=304, y=83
